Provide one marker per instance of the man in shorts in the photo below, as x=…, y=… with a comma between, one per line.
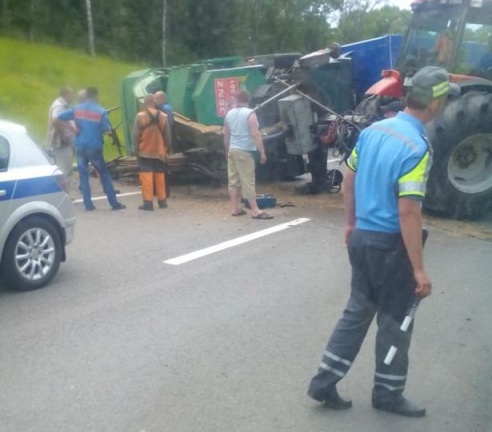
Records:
x=242, y=139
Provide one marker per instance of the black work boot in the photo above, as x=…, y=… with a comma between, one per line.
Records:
x=332, y=399
x=162, y=204
x=399, y=405
x=147, y=205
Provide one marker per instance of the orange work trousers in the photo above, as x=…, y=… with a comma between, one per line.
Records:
x=149, y=180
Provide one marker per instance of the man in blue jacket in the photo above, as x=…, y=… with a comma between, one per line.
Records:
x=162, y=104
x=92, y=123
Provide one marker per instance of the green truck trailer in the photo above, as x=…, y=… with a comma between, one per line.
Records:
x=202, y=93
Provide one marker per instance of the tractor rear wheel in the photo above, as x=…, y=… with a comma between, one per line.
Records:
x=460, y=181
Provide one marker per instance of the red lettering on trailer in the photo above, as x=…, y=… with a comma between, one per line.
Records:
x=225, y=91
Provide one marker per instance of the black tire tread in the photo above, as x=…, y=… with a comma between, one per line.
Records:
x=463, y=117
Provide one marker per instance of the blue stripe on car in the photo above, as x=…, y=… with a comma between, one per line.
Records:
x=25, y=188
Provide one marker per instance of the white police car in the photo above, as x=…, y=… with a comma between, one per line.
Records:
x=36, y=214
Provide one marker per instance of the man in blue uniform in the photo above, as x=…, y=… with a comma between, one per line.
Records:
x=163, y=105
x=92, y=123
x=383, y=190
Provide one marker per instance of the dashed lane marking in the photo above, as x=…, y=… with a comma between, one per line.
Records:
x=183, y=259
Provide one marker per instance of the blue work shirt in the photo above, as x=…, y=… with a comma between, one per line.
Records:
x=92, y=122
x=168, y=110
x=392, y=160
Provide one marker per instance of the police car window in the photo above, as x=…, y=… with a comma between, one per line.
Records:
x=4, y=153
x=32, y=154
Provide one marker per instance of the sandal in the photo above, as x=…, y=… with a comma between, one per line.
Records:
x=239, y=213
x=262, y=215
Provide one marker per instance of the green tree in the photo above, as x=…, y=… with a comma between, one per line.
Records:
x=290, y=25
x=195, y=29
x=360, y=24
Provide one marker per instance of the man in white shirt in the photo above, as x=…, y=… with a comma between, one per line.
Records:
x=61, y=135
x=242, y=139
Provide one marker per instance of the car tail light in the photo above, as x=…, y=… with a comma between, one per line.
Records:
x=62, y=181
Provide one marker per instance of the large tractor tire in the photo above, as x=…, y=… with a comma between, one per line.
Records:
x=460, y=181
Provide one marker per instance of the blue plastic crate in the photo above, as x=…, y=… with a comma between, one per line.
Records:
x=263, y=201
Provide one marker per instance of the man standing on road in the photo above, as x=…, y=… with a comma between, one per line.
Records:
x=92, y=123
x=242, y=139
x=150, y=137
x=383, y=190
x=61, y=135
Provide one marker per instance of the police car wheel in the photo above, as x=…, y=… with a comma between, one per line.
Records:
x=32, y=254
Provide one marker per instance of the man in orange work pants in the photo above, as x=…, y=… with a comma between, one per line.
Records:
x=151, y=135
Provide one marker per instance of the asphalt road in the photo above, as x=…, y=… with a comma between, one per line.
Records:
x=122, y=342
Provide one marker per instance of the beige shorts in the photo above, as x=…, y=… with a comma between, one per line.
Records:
x=241, y=172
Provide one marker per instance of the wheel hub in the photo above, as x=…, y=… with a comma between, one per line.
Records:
x=35, y=253
x=470, y=165
x=465, y=156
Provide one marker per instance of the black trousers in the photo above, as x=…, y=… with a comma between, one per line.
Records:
x=382, y=284
x=151, y=165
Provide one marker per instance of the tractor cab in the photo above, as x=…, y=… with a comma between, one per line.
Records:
x=454, y=34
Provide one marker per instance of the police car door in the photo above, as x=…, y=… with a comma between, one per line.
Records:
x=7, y=184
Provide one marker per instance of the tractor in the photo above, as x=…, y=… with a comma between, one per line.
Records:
x=457, y=35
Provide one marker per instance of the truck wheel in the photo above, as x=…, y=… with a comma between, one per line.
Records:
x=460, y=181
x=32, y=254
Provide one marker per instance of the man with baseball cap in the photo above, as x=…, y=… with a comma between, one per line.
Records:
x=430, y=84
x=383, y=190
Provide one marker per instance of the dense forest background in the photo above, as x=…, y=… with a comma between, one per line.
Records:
x=179, y=31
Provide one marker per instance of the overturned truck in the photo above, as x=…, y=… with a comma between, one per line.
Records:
x=288, y=91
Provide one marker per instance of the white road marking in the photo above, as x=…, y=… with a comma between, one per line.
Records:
x=234, y=242
x=99, y=198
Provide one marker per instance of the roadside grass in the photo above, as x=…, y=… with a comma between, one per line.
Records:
x=32, y=74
